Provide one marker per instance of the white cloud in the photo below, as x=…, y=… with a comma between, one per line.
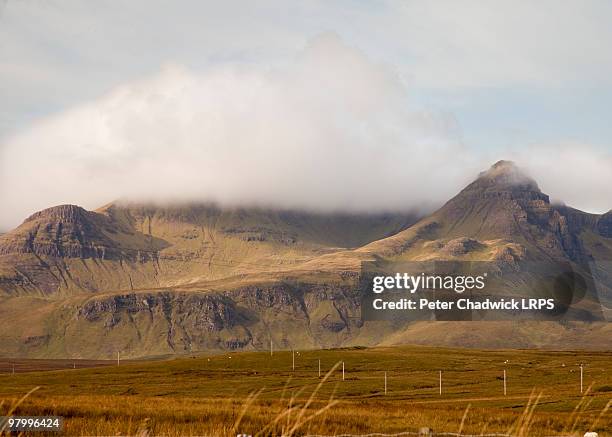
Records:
x=578, y=175
x=57, y=53
x=237, y=117
x=330, y=130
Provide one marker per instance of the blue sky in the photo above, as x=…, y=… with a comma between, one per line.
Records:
x=493, y=78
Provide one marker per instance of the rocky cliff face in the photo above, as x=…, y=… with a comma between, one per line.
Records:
x=69, y=231
x=65, y=230
x=188, y=320
x=505, y=203
x=295, y=315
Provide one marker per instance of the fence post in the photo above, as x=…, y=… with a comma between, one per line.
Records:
x=385, y=383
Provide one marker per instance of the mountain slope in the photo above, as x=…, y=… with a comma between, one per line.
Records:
x=67, y=250
x=501, y=215
x=145, y=280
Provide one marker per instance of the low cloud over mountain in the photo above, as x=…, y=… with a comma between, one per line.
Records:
x=330, y=130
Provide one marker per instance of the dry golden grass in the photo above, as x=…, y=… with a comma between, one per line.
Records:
x=257, y=394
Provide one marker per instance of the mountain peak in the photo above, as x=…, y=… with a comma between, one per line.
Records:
x=496, y=205
x=67, y=213
x=504, y=164
x=503, y=176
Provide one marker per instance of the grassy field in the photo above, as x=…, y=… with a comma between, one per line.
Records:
x=34, y=365
x=258, y=393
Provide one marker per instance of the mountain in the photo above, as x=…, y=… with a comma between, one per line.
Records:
x=151, y=280
x=504, y=218
x=502, y=215
x=66, y=250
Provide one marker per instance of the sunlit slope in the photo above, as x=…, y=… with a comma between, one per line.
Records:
x=502, y=215
x=66, y=249
x=146, y=280
x=502, y=218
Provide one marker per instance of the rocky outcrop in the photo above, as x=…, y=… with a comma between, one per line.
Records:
x=176, y=321
x=294, y=315
x=461, y=246
x=69, y=231
x=504, y=180
x=61, y=213
x=205, y=312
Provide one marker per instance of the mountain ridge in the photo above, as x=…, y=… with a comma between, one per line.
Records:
x=123, y=246
x=239, y=279
x=501, y=205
